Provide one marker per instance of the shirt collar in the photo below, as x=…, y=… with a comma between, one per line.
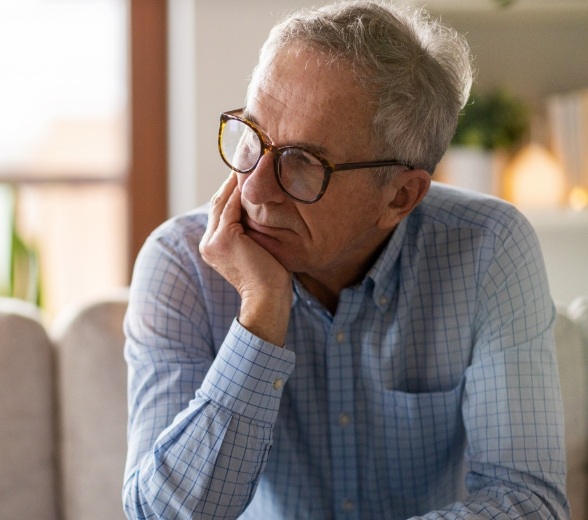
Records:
x=382, y=277
x=384, y=274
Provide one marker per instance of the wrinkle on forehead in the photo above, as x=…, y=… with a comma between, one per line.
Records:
x=277, y=70
x=309, y=89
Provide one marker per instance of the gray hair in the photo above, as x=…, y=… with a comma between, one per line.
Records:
x=418, y=71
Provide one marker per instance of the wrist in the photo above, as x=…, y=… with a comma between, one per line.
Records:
x=267, y=317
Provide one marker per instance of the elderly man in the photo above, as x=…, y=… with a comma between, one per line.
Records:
x=339, y=337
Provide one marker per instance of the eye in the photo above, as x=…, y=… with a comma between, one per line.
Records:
x=248, y=144
x=240, y=145
x=301, y=158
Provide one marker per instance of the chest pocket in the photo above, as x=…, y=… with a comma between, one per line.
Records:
x=423, y=441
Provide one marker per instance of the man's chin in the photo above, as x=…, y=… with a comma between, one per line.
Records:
x=273, y=246
x=266, y=241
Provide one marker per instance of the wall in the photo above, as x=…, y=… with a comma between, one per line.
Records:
x=563, y=236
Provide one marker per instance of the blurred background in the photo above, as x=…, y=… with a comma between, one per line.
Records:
x=109, y=115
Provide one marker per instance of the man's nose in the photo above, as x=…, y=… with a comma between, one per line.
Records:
x=260, y=186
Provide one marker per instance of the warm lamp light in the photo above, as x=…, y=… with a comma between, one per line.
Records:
x=534, y=179
x=578, y=198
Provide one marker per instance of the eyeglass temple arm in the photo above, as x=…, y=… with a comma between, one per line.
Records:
x=364, y=165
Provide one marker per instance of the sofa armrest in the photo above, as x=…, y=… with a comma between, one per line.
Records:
x=93, y=407
x=27, y=406
x=571, y=338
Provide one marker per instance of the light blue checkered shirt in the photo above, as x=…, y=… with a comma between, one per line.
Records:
x=432, y=392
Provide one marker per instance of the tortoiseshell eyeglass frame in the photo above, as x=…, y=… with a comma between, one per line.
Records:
x=266, y=147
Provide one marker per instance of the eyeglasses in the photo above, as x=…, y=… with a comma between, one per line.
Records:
x=302, y=174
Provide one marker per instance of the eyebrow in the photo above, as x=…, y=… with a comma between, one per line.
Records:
x=311, y=147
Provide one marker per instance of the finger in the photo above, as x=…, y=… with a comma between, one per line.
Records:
x=232, y=210
x=219, y=201
x=224, y=192
x=226, y=186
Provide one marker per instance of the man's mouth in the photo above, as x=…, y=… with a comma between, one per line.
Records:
x=250, y=224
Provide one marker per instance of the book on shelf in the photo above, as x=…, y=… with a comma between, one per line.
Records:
x=568, y=121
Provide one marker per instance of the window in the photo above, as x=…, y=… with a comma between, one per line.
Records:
x=71, y=84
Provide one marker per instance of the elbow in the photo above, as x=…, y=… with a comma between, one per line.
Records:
x=134, y=501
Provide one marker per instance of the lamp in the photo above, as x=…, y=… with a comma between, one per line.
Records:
x=534, y=179
x=578, y=198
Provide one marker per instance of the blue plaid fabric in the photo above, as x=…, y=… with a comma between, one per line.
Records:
x=432, y=392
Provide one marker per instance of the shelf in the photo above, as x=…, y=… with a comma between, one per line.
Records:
x=491, y=5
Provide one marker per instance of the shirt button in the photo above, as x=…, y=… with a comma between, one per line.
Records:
x=340, y=337
x=344, y=419
x=348, y=506
x=278, y=383
x=383, y=300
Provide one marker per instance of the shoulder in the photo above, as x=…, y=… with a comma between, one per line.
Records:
x=175, y=230
x=174, y=244
x=446, y=207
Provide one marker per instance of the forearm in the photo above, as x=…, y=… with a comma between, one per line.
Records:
x=207, y=463
x=212, y=455
x=496, y=503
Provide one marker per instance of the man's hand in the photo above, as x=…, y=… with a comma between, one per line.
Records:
x=262, y=282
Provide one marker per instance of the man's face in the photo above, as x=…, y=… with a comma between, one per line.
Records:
x=301, y=100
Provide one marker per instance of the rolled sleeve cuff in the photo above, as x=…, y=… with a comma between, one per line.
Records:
x=248, y=375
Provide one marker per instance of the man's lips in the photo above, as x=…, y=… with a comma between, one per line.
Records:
x=264, y=229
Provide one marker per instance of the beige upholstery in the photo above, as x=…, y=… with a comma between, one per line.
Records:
x=571, y=353
x=91, y=394
x=27, y=464
x=93, y=412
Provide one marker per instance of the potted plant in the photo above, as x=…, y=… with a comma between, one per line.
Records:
x=19, y=262
x=491, y=127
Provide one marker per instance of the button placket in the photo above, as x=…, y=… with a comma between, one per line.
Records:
x=344, y=419
x=340, y=376
x=348, y=506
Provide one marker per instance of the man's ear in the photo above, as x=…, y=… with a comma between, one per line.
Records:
x=409, y=188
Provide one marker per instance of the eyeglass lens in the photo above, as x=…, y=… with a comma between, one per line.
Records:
x=240, y=145
x=300, y=173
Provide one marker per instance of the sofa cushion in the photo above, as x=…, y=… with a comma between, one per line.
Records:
x=571, y=352
x=92, y=395
x=578, y=312
x=27, y=479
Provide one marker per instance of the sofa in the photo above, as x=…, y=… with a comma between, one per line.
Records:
x=63, y=409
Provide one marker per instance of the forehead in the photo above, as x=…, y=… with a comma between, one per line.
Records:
x=304, y=96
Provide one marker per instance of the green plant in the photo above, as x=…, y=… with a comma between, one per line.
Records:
x=19, y=262
x=493, y=120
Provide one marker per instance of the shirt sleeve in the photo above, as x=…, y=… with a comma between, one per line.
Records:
x=512, y=411
x=201, y=414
